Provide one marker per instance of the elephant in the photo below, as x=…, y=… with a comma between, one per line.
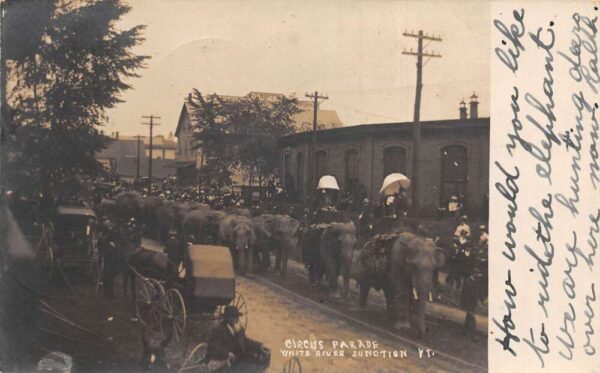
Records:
x=275, y=232
x=237, y=232
x=405, y=275
x=202, y=226
x=237, y=211
x=151, y=204
x=129, y=205
x=106, y=208
x=197, y=206
x=169, y=216
x=336, y=250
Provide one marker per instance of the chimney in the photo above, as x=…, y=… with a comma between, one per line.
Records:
x=462, y=110
x=473, y=106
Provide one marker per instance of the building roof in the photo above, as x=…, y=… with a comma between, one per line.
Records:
x=387, y=129
x=118, y=148
x=158, y=141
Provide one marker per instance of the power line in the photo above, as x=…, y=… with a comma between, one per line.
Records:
x=150, y=124
x=315, y=98
x=416, y=135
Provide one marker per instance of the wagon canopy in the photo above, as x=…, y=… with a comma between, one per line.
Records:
x=76, y=211
x=210, y=271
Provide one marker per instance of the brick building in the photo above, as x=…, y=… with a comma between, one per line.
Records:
x=454, y=159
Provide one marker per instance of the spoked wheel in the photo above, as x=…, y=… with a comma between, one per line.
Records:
x=195, y=359
x=96, y=274
x=148, y=303
x=45, y=254
x=240, y=303
x=292, y=366
x=175, y=315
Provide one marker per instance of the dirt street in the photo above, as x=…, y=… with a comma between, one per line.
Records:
x=283, y=322
x=275, y=318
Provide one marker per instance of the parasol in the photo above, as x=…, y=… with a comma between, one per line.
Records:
x=328, y=182
x=393, y=182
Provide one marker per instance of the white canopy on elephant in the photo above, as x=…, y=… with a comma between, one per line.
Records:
x=393, y=183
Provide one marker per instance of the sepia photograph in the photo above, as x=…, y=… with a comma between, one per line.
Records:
x=245, y=186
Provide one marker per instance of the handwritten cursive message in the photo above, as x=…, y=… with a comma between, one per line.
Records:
x=545, y=187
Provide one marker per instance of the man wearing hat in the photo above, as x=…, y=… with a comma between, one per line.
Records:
x=108, y=243
x=228, y=341
x=173, y=248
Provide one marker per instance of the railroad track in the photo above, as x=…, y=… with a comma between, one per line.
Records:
x=390, y=337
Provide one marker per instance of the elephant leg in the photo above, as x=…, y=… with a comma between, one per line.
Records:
x=401, y=305
x=363, y=293
x=285, y=252
x=278, y=255
x=388, y=292
x=312, y=273
x=241, y=259
x=249, y=257
x=417, y=316
x=346, y=275
x=330, y=269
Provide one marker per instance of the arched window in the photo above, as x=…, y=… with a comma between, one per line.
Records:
x=351, y=162
x=300, y=174
x=394, y=160
x=320, y=163
x=454, y=173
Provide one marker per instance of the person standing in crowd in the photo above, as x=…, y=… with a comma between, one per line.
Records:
x=474, y=287
x=173, y=248
x=365, y=220
x=109, y=244
x=460, y=253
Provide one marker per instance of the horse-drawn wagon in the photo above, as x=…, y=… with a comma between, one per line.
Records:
x=203, y=284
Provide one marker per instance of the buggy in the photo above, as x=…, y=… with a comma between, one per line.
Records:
x=69, y=244
x=203, y=284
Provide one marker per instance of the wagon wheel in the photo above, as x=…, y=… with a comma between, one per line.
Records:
x=48, y=259
x=147, y=302
x=292, y=366
x=96, y=274
x=45, y=252
x=175, y=314
x=195, y=359
x=240, y=303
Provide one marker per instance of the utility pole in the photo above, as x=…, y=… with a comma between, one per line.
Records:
x=150, y=124
x=312, y=171
x=138, y=159
x=416, y=133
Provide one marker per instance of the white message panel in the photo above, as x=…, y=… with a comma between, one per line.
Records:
x=545, y=188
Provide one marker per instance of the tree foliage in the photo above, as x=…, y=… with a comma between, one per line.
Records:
x=240, y=135
x=61, y=87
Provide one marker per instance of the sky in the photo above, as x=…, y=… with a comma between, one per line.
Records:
x=349, y=50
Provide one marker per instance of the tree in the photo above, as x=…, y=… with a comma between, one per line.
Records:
x=240, y=135
x=72, y=71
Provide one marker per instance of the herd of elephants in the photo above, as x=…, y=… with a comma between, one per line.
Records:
x=411, y=260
